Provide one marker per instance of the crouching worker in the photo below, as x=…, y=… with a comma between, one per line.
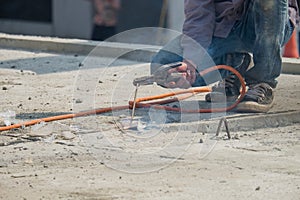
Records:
x=235, y=33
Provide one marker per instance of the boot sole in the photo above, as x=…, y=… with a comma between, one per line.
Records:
x=253, y=107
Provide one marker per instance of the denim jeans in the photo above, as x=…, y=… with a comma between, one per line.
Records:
x=263, y=31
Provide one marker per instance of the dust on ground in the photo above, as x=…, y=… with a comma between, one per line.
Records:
x=93, y=158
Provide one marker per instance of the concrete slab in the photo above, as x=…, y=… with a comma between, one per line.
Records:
x=39, y=84
x=92, y=157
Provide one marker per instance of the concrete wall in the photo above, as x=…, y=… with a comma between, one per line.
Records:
x=72, y=18
x=25, y=27
x=139, y=13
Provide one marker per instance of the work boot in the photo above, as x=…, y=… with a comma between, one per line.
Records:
x=259, y=98
x=228, y=89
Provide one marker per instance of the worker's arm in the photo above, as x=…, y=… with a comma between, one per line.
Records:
x=198, y=31
x=294, y=12
x=198, y=25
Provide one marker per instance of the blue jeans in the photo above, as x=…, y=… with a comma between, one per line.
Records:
x=263, y=31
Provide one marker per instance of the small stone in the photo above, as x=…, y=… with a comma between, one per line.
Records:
x=13, y=67
x=258, y=188
x=29, y=98
x=78, y=101
x=277, y=149
x=201, y=141
x=100, y=81
x=4, y=88
x=2, y=124
x=115, y=74
x=80, y=65
x=28, y=161
x=68, y=135
x=236, y=137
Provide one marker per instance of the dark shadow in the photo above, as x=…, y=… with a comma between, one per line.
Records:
x=64, y=63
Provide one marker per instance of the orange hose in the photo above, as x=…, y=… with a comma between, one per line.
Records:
x=61, y=117
x=190, y=93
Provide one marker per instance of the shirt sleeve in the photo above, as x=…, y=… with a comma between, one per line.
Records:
x=294, y=12
x=198, y=25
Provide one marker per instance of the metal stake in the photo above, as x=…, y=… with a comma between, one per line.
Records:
x=226, y=127
x=134, y=103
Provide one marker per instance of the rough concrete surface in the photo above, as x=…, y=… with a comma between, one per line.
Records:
x=165, y=156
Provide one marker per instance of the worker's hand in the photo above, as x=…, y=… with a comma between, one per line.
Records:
x=188, y=76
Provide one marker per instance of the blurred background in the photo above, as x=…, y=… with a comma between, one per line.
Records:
x=101, y=19
x=75, y=18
